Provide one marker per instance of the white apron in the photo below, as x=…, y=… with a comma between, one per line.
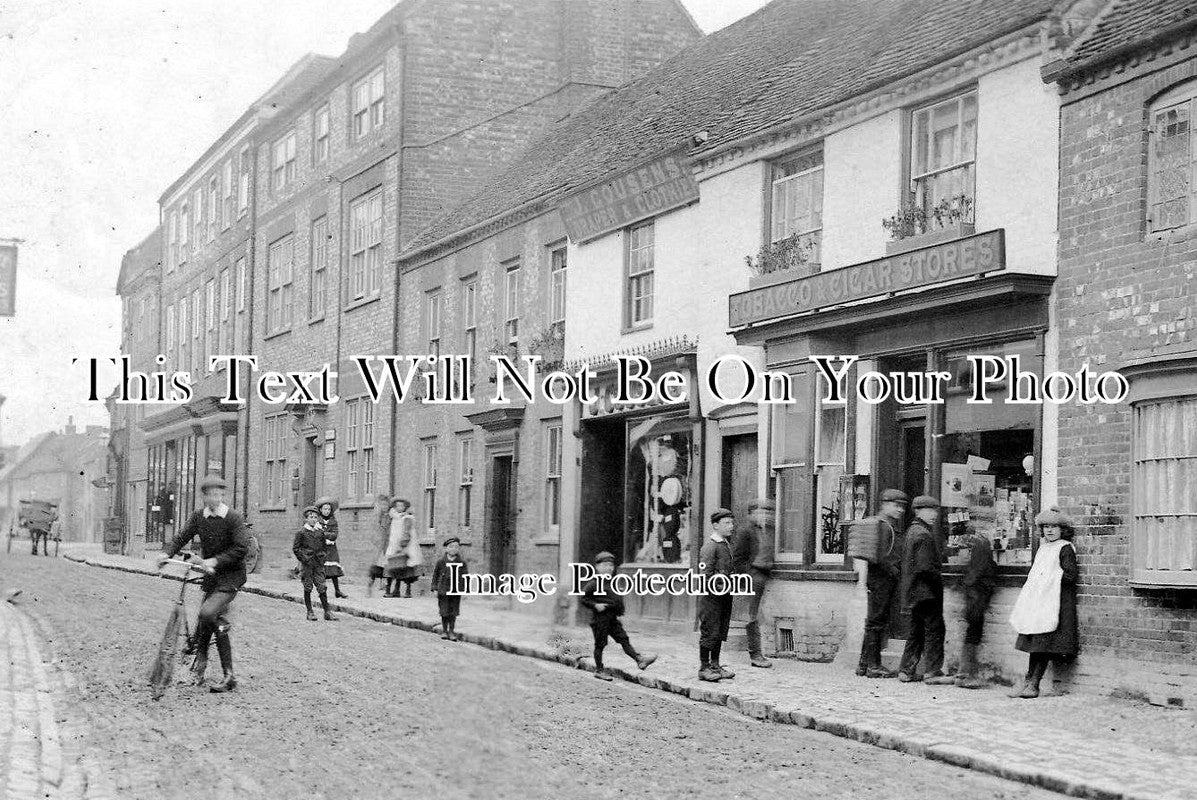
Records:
x=1037, y=609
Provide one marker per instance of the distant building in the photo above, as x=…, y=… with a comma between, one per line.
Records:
x=67, y=467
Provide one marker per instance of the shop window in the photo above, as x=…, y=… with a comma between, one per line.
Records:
x=1170, y=187
x=657, y=494
x=640, y=269
x=1164, y=492
x=831, y=438
x=791, y=468
x=986, y=459
x=943, y=152
x=797, y=202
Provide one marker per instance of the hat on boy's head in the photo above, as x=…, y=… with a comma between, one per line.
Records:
x=925, y=501
x=451, y=540
x=310, y=510
x=604, y=556
x=212, y=482
x=894, y=496
x=763, y=503
x=720, y=513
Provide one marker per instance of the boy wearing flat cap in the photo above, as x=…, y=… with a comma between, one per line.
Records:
x=922, y=593
x=606, y=607
x=714, y=610
x=224, y=543
x=448, y=597
x=310, y=548
x=752, y=555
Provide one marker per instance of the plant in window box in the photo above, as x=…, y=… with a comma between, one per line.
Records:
x=914, y=226
x=497, y=348
x=783, y=260
x=549, y=344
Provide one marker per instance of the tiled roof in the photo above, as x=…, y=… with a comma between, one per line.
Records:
x=788, y=59
x=1124, y=23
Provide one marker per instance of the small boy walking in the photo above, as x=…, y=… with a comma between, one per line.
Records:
x=310, y=549
x=606, y=608
x=448, y=600
x=715, y=610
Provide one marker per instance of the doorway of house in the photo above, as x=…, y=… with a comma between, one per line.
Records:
x=739, y=474
x=500, y=534
x=308, y=480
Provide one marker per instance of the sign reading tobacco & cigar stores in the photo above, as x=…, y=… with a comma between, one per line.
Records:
x=629, y=197
x=972, y=255
x=8, y=280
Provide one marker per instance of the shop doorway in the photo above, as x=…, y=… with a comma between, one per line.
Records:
x=912, y=456
x=738, y=485
x=499, y=538
x=601, y=522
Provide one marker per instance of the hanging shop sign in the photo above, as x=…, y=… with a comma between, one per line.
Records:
x=658, y=186
x=961, y=258
x=8, y=280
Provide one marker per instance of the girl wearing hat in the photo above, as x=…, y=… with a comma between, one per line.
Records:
x=1045, y=613
x=332, y=558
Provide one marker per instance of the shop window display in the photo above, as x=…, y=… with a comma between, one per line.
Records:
x=657, y=501
x=987, y=462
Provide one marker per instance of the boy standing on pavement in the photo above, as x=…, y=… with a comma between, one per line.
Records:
x=606, y=607
x=980, y=577
x=448, y=596
x=922, y=593
x=714, y=610
x=752, y=555
x=224, y=543
x=310, y=548
x=882, y=583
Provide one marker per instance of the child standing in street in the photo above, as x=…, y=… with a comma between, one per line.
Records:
x=715, y=610
x=606, y=608
x=1045, y=613
x=332, y=559
x=448, y=601
x=980, y=578
x=401, y=535
x=310, y=549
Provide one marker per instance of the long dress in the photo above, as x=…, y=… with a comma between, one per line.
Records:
x=396, y=554
x=332, y=558
x=1065, y=639
x=415, y=556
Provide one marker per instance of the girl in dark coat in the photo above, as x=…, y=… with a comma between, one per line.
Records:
x=1045, y=613
x=332, y=559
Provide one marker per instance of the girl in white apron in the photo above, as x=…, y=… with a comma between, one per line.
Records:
x=1045, y=613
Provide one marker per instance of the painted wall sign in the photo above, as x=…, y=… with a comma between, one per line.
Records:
x=8, y=280
x=634, y=195
x=972, y=255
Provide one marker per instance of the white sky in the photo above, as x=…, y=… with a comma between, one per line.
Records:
x=104, y=104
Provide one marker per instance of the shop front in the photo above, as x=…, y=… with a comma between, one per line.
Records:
x=829, y=460
x=640, y=482
x=184, y=445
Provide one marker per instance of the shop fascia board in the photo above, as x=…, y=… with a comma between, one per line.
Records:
x=954, y=296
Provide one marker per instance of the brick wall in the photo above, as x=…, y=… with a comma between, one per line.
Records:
x=1123, y=294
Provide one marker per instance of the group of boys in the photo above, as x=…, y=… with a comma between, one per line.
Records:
x=910, y=569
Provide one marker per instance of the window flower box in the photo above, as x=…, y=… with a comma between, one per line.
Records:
x=948, y=233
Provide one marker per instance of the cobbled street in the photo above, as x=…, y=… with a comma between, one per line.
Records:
x=361, y=709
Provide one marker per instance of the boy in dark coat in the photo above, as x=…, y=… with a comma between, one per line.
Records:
x=922, y=593
x=224, y=543
x=606, y=607
x=752, y=555
x=882, y=583
x=980, y=578
x=714, y=610
x=448, y=599
x=310, y=548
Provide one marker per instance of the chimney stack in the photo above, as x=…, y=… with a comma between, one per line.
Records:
x=70, y=426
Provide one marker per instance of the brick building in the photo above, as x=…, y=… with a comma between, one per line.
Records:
x=405, y=123
x=138, y=286
x=1127, y=300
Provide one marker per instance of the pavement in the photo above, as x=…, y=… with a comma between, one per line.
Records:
x=1078, y=745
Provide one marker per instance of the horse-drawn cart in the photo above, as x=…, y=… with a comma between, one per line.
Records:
x=37, y=518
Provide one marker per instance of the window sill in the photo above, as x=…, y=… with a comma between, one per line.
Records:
x=1008, y=576
x=362, y=301
x=1168, y=236
x=276, y=334
x=314, y=320
x=643, y=326
x=355, y=505
x=271, y=509
x=814, y=572
x=548, y=538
